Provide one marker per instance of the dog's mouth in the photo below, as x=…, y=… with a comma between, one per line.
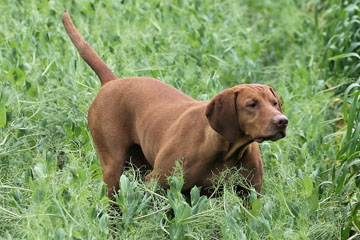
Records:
x=275, y=137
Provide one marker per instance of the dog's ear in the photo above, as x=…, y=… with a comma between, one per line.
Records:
x=222, y=115
x=277, y=97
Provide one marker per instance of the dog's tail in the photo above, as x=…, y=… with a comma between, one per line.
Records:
x=87, y=52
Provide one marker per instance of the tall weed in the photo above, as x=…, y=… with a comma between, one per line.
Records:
x=346, y=170
x=341, y=32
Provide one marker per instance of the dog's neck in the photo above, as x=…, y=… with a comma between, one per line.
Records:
x=237, y=148
x=229, y=149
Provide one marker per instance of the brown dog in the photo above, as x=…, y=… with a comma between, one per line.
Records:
x=156, y=125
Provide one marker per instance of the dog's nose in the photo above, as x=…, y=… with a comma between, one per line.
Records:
x=280, y=121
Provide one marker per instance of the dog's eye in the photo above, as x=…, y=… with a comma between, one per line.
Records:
x=252, y=105
x=275, y=103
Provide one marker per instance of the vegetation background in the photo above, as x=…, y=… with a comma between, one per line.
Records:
x=50, y=179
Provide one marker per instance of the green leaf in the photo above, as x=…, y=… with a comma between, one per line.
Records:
x=81, y=174
x=176, y=232
x=294, y=208
x=345, y=102
x=352, y=114
x=308, y=185
x=60, y=234
x=68, y=130
x=200, y=205
x=351, y=7
x=195, y=195
x=2, y=115
x=256, y=208
x=185, y=213
x=345, y=55
x=33, y=92
x=313, y=201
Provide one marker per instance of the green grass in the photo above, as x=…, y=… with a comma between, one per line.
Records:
x=51, y=183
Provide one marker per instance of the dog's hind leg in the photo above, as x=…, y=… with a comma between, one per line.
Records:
x=112, y=163
x=112, y=148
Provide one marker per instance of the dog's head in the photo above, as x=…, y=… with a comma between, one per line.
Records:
x=249, y=109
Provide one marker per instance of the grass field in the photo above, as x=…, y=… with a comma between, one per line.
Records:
x=51, y=183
